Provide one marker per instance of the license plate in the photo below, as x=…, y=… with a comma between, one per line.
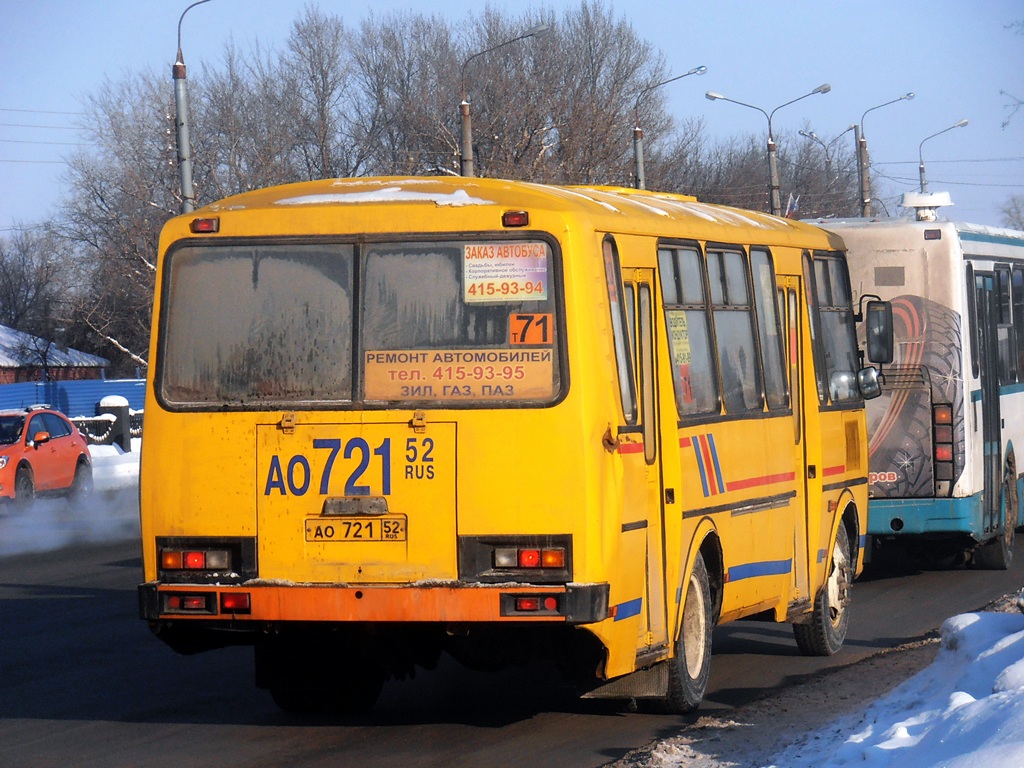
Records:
x=362, y=528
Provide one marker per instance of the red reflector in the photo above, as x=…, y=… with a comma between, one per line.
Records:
x=550, y=603
x=234, y=602
x=529, y=558
x=194, y=602
x=527, y=603
x=205, y=226
x=174, y=602
x=942, y=414
x=933, y=234
x=515, y=218
x=943, y=452
x=194, y=559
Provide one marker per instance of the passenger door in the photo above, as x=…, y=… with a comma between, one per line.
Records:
x=789, y=289
x=988, y=359
x=640, y=293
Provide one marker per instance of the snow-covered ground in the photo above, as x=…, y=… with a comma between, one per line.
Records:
x=965, y=710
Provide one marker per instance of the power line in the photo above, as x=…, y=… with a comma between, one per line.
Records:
x=39, y=111
x=52, y=127
x=47, y=143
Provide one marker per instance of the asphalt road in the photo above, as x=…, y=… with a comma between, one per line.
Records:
x=83, y=683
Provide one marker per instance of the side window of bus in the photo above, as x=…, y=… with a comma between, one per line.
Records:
x=832, y=328
x=972, y=311
x=686, y=318
x=733, y=317
x=1017, y=281
x=623, y=355
x=769, y=329
x=1007, y=345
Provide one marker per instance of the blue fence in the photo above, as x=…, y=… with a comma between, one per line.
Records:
x=73, y=398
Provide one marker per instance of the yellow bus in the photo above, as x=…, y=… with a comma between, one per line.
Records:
x=390, y=418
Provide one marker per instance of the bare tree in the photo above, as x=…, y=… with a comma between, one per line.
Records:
x=405, y=106
x=1013, y=212
x=34, y=281
x=590, y=93
x=121, y=194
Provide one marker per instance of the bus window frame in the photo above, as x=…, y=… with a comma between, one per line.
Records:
x=769, y=299
x=810, y=261
x=705, y=309
x=358, y=242
x=749, y=311
x=621, y=334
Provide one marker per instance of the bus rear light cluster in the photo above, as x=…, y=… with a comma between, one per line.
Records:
x=942, y=439
x=531, y=605
x=529, y=558
x=195, y=560
x=206, y=603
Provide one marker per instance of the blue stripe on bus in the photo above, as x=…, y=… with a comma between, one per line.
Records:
x=695, y=444
x=978, y=237
x=628, y=609
x=753, y=570
x=718, y=466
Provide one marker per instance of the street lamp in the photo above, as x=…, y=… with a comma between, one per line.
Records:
x=466, y=161
x=638, y=134
x=827, y=149
x=188, y=195
x=860, y=137
x=920, y=157
x=775, y=198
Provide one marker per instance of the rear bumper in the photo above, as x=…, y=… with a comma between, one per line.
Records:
x=903, y=517
x=315, y=603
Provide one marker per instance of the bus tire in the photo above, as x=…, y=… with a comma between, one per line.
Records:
x=690, y=669
x=997, y=554
x=825, y=633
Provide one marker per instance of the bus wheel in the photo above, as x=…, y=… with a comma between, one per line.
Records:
x=24, y=488
x=997, y=554
x=691, y=667
x=825, y=633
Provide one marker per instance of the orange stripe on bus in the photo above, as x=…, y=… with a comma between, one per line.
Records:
x=754, y=482
x=829, y=471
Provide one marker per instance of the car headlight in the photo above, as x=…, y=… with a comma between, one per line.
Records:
x=3, y=462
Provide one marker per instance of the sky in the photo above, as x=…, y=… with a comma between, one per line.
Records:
x=964, y=710
x=956, y=57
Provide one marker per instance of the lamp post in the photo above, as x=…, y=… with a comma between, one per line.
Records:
x=188, y=195
x=862, y=155
x=920, y=157
x=775, y=199
x=827, y=149
x=466, y=160
x=638, y=134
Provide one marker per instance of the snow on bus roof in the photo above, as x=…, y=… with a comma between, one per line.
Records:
x=386, y=193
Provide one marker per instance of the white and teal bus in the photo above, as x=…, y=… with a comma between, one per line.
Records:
x=944, y=435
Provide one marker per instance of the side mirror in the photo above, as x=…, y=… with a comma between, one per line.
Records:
x=41, y=438
x=868, y=383
x=879, y=333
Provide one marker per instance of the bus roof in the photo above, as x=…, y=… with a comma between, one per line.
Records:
x=613, y=209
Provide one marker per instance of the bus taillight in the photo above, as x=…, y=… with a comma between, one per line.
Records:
x=942, y=437
x=195, y=560
x=235, y=602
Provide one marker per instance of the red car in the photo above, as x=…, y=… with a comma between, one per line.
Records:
x=42, y=452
